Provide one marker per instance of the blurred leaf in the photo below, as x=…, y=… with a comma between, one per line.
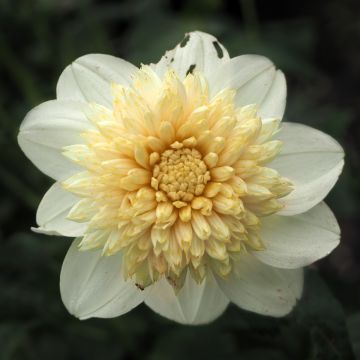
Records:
x=353, y=323
x=12, y=337
x=189, y=342
x=322, y=318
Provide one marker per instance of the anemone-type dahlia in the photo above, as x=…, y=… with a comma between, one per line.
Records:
x=181, y=185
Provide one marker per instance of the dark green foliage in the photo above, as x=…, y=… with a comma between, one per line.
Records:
x=354, y=331
x=316, y=44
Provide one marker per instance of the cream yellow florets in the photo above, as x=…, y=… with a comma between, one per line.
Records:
x=175, y=179
x=180, y=175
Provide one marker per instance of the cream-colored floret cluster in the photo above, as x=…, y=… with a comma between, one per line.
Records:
x=180, y=175
x=174, y=179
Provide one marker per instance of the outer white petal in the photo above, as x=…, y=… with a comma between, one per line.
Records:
x=255, y=80
x=52, y=212
x=49, y=127
x=313, y=162
x=194, y=304
x=297, y=241
x=274, y=102
x=92, y=285
x=89, y=78
x=263, y=289
x=198, y=51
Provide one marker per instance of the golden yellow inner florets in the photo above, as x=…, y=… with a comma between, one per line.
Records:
x=180, y=175
x=175, y=179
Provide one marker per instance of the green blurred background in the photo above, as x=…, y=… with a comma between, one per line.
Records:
x=316, y=44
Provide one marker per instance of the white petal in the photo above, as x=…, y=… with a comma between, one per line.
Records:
x=255, y=80
x=198, y=51
x=263, y=289
x=297, y=241
x=255, y=90
x=274, y=102
x=92, y=285
x=313, y=162
x=49, y=127
x=194, y=304
x=52, y=212
x=89, y=78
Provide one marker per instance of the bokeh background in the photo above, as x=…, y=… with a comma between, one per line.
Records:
x=316, y=44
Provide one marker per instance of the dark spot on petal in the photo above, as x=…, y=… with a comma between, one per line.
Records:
x=173, y=282
x=172, y=59
x=191, y=69
x=139, y=286
x=218, y=49
x=185, y=41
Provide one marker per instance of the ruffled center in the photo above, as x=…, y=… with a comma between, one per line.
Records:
x=174, y=178
x=179, y=175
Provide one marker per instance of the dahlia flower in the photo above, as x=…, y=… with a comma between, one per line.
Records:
x=181, y=185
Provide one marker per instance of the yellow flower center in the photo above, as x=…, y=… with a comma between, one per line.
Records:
x=175, y=179
x=180, y=175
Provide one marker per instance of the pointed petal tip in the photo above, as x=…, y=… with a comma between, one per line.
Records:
x=312, y=160
x=92, y=285
x=51, y=215
x=195, y=304
x=41, y=230
x=299, y=240
x=89, y=78
x=263, y=289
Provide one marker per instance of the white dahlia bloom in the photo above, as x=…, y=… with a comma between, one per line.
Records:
x=181, y=185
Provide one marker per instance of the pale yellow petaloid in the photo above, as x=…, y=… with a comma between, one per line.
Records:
x=175, y=179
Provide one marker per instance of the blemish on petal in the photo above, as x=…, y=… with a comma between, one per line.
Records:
x=191, y=69
x=139, y=286
x=185, y=41
x=219, y=50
